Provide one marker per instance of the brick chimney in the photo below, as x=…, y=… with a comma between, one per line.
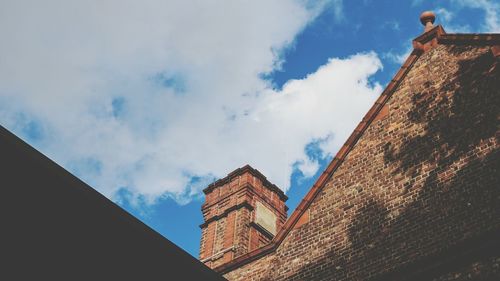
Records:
x=242, y=212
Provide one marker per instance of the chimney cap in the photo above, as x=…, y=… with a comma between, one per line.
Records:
x=427, y=18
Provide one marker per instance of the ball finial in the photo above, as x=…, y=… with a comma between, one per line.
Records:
x=427, y=18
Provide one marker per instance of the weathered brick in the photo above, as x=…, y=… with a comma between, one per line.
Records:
x=229, y=230
x=420, y=183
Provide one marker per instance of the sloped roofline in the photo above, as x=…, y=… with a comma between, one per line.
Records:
x=421, y=44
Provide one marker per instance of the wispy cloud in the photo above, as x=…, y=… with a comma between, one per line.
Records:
x=444, y=15
x=446, y=10
x=447, y=16
x=447, y=19
x=394, y=25
x=141, y=98
x=491, y=10
x=417, y=2
x=338, y=10
x=398, y=57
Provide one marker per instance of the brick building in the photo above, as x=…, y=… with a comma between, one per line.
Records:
x=414, y=193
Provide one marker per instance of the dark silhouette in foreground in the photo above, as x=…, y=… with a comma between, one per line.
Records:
x=55, y=227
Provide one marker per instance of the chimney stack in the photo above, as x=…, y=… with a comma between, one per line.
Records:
x=242, y=212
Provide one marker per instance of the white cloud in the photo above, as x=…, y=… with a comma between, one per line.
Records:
x=338, y=10
x=147, y=95
x=491, y=10
x=447, y=16
x=392, y=24
x=444, y=14
x=399, y=57
x=447, y=19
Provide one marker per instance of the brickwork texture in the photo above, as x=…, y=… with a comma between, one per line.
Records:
x=421, y=180
x=229, y=212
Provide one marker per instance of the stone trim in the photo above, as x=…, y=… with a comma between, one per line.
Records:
x=244, y=204
x=219, y=254
x=261, y=230
x=254, y=172
x=248, y=188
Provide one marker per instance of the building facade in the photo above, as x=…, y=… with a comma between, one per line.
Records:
x=414, y=193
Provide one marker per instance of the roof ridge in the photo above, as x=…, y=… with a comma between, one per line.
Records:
x=470, y=38
x=326, y=175
x=421, y=44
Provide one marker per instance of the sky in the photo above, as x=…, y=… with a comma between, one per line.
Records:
x=150, y=101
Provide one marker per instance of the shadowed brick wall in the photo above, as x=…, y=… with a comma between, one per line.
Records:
x=418, y=197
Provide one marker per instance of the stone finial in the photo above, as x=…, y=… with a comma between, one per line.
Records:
x=427, y=19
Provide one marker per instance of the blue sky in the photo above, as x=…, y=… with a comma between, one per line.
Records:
x=150, y=102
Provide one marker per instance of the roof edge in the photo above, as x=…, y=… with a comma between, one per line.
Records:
x=470, y=38
x=327, y=174
x=421, y=44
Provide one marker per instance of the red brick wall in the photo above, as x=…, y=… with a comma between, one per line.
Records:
x=228, y=212
x=422, y=179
